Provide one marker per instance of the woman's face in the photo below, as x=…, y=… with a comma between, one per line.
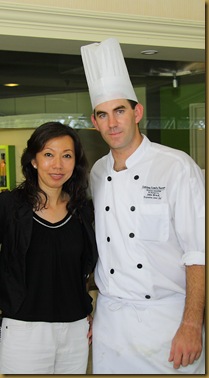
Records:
x=55, y=163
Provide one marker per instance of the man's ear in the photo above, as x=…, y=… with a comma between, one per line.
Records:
x=139, y=110
x=93, y=120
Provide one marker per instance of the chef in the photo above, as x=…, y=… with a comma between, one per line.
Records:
x=149, y=220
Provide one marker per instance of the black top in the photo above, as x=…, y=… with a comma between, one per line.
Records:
x=16, y=229
x=55, y=290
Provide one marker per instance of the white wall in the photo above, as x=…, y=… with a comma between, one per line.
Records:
x=180, y=9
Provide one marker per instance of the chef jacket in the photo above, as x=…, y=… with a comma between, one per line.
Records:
x=149, y=221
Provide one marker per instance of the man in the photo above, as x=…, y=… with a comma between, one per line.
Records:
x=149, y=217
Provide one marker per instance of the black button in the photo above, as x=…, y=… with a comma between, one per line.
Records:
x=107, y=208
x=131, y=235
x=109, y=178
x=132, y=208
x=108, y=239
x=136, y=177
x=147, y=296
x=139, y=266
x=112, y=271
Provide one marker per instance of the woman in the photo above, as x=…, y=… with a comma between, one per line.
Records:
x=48, y=250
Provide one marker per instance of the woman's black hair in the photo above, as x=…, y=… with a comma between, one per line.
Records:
x=76, y=186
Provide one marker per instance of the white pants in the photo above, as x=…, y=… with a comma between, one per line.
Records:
x=43, y=348
x=135, y=338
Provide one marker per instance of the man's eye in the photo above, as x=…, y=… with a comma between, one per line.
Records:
x=101, y=115
x=120, y=111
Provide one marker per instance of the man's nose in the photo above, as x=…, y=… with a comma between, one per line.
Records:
x=112, y=120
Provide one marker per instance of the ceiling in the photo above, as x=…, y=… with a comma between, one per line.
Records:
x=41, y=73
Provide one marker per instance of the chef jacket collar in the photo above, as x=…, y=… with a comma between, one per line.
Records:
x=135, y=157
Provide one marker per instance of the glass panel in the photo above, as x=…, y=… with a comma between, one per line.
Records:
x=53, y=88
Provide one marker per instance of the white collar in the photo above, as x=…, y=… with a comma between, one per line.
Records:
x=135, y=157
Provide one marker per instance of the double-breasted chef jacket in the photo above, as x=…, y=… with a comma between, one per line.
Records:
x=150, y=222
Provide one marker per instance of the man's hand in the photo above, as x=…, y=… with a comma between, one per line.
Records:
x=89, y=335
x=186, y=346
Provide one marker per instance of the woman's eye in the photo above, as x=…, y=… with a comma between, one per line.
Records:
x=47, y=154
x=68, y=156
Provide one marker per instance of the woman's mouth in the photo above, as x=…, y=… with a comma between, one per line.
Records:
x=56, y=176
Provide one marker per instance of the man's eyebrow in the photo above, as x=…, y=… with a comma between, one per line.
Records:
x=115, y=109
x=119, y=107
x=100, y=112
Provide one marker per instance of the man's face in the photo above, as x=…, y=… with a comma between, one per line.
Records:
x=118, y=123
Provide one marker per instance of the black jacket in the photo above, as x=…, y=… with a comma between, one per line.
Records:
x=16, y=221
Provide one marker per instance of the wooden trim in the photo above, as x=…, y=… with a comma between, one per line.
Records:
x=66, y=24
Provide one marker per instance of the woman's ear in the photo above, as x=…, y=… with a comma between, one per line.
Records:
x=33, y=162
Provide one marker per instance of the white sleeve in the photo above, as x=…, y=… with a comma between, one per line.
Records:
x=190, y=214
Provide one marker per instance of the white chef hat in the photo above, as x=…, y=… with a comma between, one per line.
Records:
x=106, y=72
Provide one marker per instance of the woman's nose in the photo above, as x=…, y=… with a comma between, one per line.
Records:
x=57, y=162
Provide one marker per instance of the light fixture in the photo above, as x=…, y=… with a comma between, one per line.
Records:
x=175, y=82
x=149, y=52
x=11, y=84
